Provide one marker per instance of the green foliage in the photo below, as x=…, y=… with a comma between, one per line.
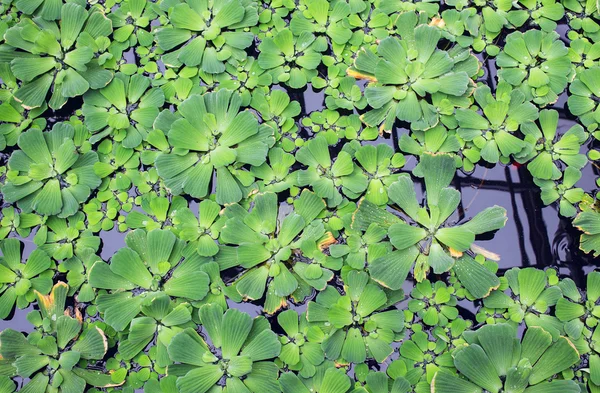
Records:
x=587, y=222
x=536, y=62
x=14, y=117
x=21, y=279
x=130, y=20
x=17, y=223
x=534, y=292
x=550, y=149
x=421, y=358
x=125, y=109
x=292, y=59
x=402, y=77
x=241, y=349
x=489, y=356
x=61, y=58
x=263, y=245
x=426, y=239
x=326, y=176
x=582, y=100
x=279, y=111
x=328, y=379
x=356, y=325
x=579, y=315
x=210, y=134
x=51, y=174
x=165, y=164
x=206, y=34
x=62, y=344
x=151, y=265
x=435, y=303
x=492, y=135
x=301, y=345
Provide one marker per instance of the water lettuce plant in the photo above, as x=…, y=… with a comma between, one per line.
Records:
x=206, y=34
x=62, y=238
x=280, y=111
x=563, y=191
x=426, y=238
x=21, y=279
x=130, y=20
x=361, y=247
x=320, y=16
x=16, y=223
x=211, y=134
x=76, y=270
x=579, y=314
x=381, y=166
x=434, y=303
x=492, y=133
x=160, y=319
x=549, y=148
x=490, y=363
x=344, y=93
x=264, y=196
x=584, y=91
x=202, y=230
x=50, y=174
x=402, y=77
x=301, y=345
x=356, y=324
x=438, y=140
x=262, y=244
x=125, y=109
x=156, y=212
x=150, y=265
x=326, y=176
x=275, y=174
x=587, y=221
x=241, y=350
x=534, y=291
x=56, y=356
x=536, y=62
x=14, y=117
x=328, y=380
x=383, y=382
x=46, y=56
x=292, y=59
x=337, y=127
x=421, y=358
x=47, y=9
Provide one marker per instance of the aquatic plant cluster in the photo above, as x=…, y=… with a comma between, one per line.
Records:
x=173, y=122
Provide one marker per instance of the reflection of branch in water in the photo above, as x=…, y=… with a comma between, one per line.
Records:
x=478, y=189
x=566, y=238
x=538, y=232
x=561, y=251
x=561, y=240
x=517, y=218
x=458, y=185
x=494, y=185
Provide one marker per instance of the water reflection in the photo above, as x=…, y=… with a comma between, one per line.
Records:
x=18, y=321
x=112, y=241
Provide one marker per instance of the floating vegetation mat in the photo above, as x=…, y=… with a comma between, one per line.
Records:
x=299, y=196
